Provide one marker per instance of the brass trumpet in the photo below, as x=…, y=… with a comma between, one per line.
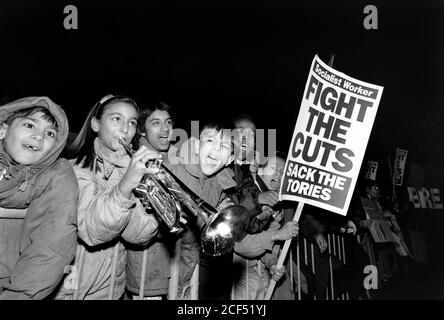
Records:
x=153, y=192
x=167, y=195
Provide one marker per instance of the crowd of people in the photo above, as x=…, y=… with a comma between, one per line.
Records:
x=85, y=234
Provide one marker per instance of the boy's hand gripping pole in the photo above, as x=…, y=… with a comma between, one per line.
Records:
x=284, y=251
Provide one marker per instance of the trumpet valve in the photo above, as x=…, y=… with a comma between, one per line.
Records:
x=142, y=188
x=154, y=163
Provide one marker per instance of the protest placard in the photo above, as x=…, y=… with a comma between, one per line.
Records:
x=380, y=231
x=371, y=169
x=329, y=140
x=379, y=227
x=398, y=169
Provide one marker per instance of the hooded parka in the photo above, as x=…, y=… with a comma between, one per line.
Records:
x=35, y=250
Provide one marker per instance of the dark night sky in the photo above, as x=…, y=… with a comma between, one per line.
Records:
x=213, y=59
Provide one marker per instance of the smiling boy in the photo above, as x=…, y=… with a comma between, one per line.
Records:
x=34, y=251
x=28, y=139
x=201, y=164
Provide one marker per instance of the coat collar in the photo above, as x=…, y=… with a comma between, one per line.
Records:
x=110, y=161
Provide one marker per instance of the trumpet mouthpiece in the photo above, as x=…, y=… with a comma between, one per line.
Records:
x=127, y=147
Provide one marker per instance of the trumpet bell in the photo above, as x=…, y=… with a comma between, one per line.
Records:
x=223, y=230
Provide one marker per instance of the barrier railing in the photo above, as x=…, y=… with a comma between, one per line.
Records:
x=305, y=253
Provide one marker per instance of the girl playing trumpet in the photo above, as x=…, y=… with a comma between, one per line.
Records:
x=108, y=211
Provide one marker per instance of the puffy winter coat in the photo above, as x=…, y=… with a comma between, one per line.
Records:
x=105, y=216
x=34, y=251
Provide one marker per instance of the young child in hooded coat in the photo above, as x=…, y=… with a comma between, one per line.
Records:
x=34, y=251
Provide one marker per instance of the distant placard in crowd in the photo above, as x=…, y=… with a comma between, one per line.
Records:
x=330, y=137
x=380, y=231
x=398, y=169
x=371, y=169
x=424, y=184
x=379, y=227
x=425, y=198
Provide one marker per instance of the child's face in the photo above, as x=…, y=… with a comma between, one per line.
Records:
x=159, y=130
x=28, y=140
x=119, y=120
x=244, y=141
x=214, y=151
x=272, y=173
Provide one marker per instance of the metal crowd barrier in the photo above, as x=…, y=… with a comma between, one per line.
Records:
x=305, y=253
x=335, y=247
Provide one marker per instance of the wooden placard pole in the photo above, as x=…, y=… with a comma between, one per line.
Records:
x=284, y=251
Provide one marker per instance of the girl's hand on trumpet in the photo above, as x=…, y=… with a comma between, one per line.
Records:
x=136, y=169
